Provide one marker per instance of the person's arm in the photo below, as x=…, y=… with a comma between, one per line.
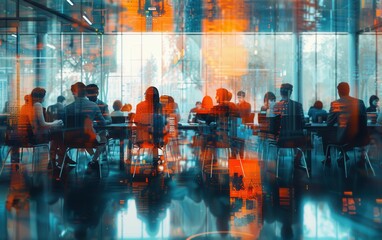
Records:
x=39, y=117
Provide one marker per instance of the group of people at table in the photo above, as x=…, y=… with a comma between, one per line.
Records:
x=152, y=117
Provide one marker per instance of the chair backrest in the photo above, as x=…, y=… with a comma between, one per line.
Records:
x=79, y=130
x=118, y=119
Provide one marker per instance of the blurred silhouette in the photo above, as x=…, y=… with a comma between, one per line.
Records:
x=269, y=103
x=374, y=104
x=79, y=123
x=117, y=106
x=203, y=113
x=316, y=113
x=290, y=121
x=193, y=112
x=57, y=110
x=349, y=114
x=150, y=123
x=83, y=208
x=127, y=109
x=6, y=107
x=244, y=107
x=92, y=92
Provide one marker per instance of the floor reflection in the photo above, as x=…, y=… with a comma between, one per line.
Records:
x=190, y=204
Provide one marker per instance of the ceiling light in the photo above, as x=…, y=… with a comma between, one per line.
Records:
x=14, y=35
x=87, y=19
x=70, y=2
x=50, y=46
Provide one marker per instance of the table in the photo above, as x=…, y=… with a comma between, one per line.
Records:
x=123, y=131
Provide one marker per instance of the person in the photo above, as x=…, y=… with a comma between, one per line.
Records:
x=117, y=106
x=56, y=111
x=40, y=128
x=203, y=113
x=193, y=111
x=127, y=108
x=269, y=103
x=373, y=101
x=291, y=115
x=316, y=113
x=150, y=122
x=244, y=107
x=6, y=107
x=80, y=115
x=92, y=92
x=349, y=114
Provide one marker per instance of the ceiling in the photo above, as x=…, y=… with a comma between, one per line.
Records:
x=108, y=16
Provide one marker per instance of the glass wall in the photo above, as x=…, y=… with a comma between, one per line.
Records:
x=186, y=66
x=324, y=65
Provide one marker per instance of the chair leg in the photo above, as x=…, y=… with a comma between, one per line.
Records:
x=344, y=157
x=212, y=161
x=305, y=164
x=63, y=163
x=135, y=163
x=5, y=159
x=277, y=163
x=369, y=163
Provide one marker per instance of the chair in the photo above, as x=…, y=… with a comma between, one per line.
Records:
x=290, y=136
x=219, y=138
x=17, y=138
x=79, y=135
x=342, y=148
x=152, y=137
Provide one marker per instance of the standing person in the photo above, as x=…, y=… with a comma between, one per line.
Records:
x=349, y=114
x=56, y=111
x=92, y=92
x=244, y=107
x=373, y=101
x=193, y=112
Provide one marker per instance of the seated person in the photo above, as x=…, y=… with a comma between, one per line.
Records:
x=374, y=104
x=92, y=92
x=79, y=123
x=349, y=115
x=150, y=122
x=126, y=109
x=244, y=108
x=291, y=116
x=193, y=111
x=202, y=113
x=316, y=112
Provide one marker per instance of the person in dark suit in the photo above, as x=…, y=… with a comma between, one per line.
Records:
x=349, y=114
x=289, y=121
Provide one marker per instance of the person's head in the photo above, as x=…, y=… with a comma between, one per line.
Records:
x=117, y=105
x=61, y=99
x=38, y=95
x=374, y=100
x=28, y=98
x=198, y=104
x=207, y=102
x=78, y=89
x=92, y=92
x=286, y=90
x=318, y=105
x=152, y=96
x=240, y=96
x=127, y=108
x=269, y=98
x=343, y=89
x=222, y=95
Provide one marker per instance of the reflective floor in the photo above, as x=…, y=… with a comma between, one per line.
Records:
x=184, y=202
